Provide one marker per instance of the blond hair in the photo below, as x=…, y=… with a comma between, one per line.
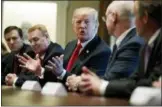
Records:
x=40, y=27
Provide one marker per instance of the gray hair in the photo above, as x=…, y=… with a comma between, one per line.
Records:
x=124, y=9
x=87, y=11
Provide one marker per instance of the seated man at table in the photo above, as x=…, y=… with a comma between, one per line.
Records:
x=148, y=23
x=10, y=65
x=88, y=49
x=44, y=49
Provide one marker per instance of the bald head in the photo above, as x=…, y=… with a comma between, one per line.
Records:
x=119, y=17
x=124, y=9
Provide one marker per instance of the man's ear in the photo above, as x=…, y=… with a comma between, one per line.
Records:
x=114, y=17
x=145, y=17
x=46, y=35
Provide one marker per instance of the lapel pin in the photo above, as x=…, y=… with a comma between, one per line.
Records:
x=87, y=51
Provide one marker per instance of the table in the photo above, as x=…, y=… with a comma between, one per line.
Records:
x=17, y=97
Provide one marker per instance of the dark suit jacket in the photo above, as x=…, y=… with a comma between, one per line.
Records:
x=10, y=62
x=53, y=50
x=125, y=59
x=95, y=56
x=124, y=87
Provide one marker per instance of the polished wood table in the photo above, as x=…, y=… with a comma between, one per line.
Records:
x=17, y=97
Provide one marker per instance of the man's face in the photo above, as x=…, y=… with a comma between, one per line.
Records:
x=140, y=25
x=109, y=22
x=84, y=27
x=38, y=41
x=14, y=41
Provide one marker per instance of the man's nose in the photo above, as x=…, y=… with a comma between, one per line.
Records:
x=11, y=41
x=83, y=24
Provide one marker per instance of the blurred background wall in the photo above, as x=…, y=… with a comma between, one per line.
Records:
x=56, y=15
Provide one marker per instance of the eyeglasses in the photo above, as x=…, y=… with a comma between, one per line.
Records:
x=104, y=18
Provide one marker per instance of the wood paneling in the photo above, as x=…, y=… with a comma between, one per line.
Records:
x=102, y=31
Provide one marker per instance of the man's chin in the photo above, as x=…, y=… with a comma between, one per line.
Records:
x=14, y=50
x=37, y=52
x=83, y=39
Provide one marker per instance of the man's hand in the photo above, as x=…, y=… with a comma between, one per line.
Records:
x=33, y=65
x=90, y=82
x=73, y=82
x=9, y=79
x=56, y=65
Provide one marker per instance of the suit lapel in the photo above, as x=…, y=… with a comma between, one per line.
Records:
x=128, y=36
x=142, y=64
x=154, y=53
x=86, y=52
x=68, y=52
x=112, y=59
x=48, y=53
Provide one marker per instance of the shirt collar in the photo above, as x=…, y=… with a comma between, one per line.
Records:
x=153, y=38
x=122, y=36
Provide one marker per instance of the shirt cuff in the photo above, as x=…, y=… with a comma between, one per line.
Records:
x=160, y=78
x=62, y=75
x=14, y=82
x=42, y=73
x=104, y=84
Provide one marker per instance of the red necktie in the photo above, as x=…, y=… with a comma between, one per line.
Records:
x=74, y=57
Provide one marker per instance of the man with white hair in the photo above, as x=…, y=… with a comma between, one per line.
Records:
x=125, y=56
x=148, y=23
x=87, y=50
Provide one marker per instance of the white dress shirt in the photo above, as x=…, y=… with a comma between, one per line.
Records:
x=122, y=36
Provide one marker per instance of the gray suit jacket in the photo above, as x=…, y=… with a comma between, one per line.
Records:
x=124, y=87
x=125, y=59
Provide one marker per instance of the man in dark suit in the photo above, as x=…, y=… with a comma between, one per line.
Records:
x=125, y=56
x=93, y=52
x=148, y=23
x=44, y=49
x=10, y=65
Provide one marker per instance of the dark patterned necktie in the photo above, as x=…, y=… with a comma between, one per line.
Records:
x=146, y=56
x=113, y=51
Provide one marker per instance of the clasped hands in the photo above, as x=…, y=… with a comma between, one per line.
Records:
x=88, y=83
x=9, y=79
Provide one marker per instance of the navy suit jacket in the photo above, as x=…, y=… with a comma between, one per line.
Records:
x=95, y=56
x=53, y=50
x=10, y=62
x=125, y=59
x=124, y=87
